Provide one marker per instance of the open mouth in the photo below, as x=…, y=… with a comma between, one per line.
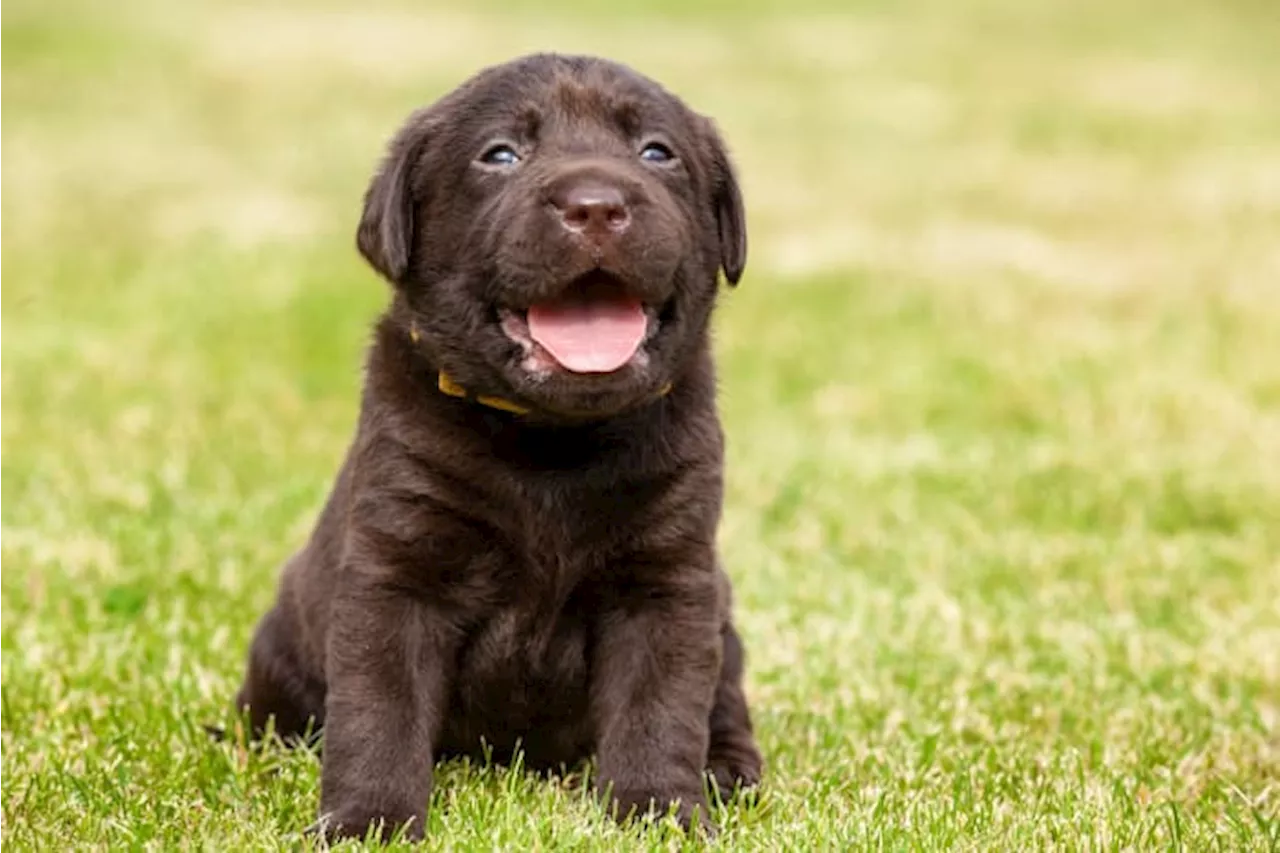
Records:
x=593, y=327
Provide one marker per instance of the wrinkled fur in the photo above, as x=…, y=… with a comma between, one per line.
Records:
x=549, y=580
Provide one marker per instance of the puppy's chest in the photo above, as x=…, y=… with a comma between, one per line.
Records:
x=561, y=562
x=567, y=530
x=535, y=645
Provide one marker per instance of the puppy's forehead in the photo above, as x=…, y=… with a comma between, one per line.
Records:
x=550, y=88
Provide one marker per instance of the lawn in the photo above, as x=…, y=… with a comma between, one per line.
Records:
x=1001, y=385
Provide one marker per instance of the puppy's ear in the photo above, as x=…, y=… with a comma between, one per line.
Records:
x=385, y=233
x=726, y=197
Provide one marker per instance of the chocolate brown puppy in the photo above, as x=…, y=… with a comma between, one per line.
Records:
x=519, y=551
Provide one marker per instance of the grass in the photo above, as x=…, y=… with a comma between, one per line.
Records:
x=1002, y=387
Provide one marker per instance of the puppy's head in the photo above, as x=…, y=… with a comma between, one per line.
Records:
x=556, y=226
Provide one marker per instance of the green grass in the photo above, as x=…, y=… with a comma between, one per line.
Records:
x=1002, y=387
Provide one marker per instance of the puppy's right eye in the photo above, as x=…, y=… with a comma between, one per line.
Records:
x=500, y=155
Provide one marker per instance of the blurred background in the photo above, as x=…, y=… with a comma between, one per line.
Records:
x=1002, y=387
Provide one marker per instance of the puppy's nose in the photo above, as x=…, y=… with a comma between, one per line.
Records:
x=594, y=209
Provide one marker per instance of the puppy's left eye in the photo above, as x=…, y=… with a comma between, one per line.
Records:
x=656, y=152
x=500, y=155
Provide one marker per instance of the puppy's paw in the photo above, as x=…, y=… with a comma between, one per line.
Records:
x=373, y=824
x=690, y=808
x=734, y=767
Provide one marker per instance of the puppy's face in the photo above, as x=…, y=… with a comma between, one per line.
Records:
x=556, y=226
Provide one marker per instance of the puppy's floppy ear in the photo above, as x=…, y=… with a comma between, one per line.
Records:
x=385, y=233
x=726, y=197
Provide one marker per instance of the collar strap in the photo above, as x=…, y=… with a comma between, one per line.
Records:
x=448, y=386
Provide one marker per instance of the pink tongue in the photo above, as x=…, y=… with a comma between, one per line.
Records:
x=589, y=335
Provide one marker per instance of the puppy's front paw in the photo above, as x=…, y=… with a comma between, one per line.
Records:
x=734, y=767
x=379, y=825
x=690, y=808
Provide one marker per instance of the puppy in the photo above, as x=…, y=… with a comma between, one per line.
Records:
x=519, y=552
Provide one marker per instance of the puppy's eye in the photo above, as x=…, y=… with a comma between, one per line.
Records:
x=500, y=155
x=656, y=152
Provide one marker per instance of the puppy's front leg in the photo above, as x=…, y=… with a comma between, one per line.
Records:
x=657, y=660
x=389, y=661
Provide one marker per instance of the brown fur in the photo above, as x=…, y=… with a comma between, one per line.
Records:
x=546, y=581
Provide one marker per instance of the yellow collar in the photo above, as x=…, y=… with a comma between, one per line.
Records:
x=453, y=389
x=447, y=386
